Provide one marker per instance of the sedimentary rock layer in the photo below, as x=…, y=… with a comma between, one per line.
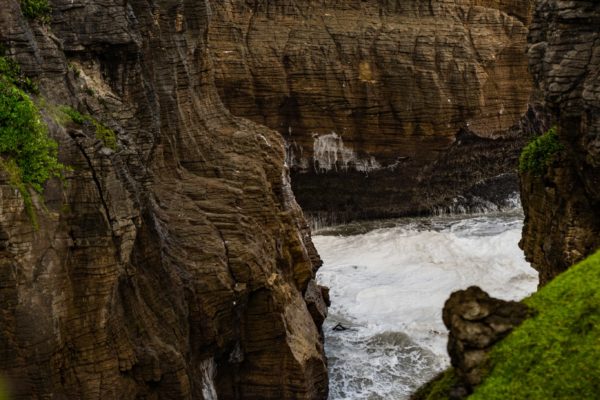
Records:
x=173, y=267
x=562, y=205
x=373, y=96
x=476, y=322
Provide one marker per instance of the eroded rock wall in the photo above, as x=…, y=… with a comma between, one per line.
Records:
x=174, y=267
x=476, y=322
x=562, y=206
x=372, y=96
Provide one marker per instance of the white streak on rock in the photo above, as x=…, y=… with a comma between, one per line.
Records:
x=330, y=153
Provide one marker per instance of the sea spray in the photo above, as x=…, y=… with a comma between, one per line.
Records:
x=388, y=287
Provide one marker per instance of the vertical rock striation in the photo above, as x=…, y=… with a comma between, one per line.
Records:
x=173, y=267
x=562, y=206
x=387, y=108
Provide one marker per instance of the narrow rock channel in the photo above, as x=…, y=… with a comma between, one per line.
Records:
x=389, y=282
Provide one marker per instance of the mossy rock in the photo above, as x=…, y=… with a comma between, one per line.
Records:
x=438, y=388
x=538, y=154
x=103, y=133
x=555, y=354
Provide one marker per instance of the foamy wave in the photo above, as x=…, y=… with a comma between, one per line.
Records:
x=394, y=281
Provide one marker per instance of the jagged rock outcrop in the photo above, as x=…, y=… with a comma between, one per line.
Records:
x=387, y=108
x=476, y=322
x=174, y=267
x=562, y=206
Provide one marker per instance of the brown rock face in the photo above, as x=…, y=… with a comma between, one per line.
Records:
x=372, y=96
x=562, y=207
x=476, y=322
x=174, y=267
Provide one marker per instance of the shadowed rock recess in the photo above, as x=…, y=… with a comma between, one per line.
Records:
x=173, y=267
x=387, y=107
x=562, y=205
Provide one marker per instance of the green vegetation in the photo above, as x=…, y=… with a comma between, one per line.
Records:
x=555, y=354
x=27, y=154
x=106, y=135
x=89, y=91
x=74, y=69
x=74, y=115
x=537, y=155
x=438, y=388
x=15, y=177
x=3, y=394
x=23, y=135
x=11, y=73
x=36, y=9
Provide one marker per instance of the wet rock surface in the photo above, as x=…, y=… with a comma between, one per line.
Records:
x=387, y=108
x=173, y=267
x=562, y=206
x=476, y=322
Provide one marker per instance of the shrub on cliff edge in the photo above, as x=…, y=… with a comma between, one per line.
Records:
x=537, y=154
x=36, y=9
x=555, y=354
x=27, y=154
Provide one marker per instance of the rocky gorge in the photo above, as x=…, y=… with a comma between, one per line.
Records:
x=170, y=259
x=548, y=356
x=387, y=108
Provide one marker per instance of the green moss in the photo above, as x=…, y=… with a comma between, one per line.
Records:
x=16, y=181
x=106, y=135
x=3, y=393
x=36, y=9
x=438, y=388
x=555, y=354
x=75, y=70
x=537, y=155
x=74, y=115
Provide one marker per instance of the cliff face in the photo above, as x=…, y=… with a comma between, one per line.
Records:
x=174, y=267
x=562, y=206
x=387, y=108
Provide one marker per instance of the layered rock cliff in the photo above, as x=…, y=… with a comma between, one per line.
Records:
x=562, y=203
x=387, y=108
x=553, y=353
x=174, y=266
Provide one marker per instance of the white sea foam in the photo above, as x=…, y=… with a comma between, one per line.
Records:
x=389, y=286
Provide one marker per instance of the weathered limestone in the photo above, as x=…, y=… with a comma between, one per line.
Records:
x=476, y=322
x=174, y=267
x=387, y=108
x=562, y=207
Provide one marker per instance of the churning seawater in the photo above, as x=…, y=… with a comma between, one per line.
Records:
x=389, y=281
